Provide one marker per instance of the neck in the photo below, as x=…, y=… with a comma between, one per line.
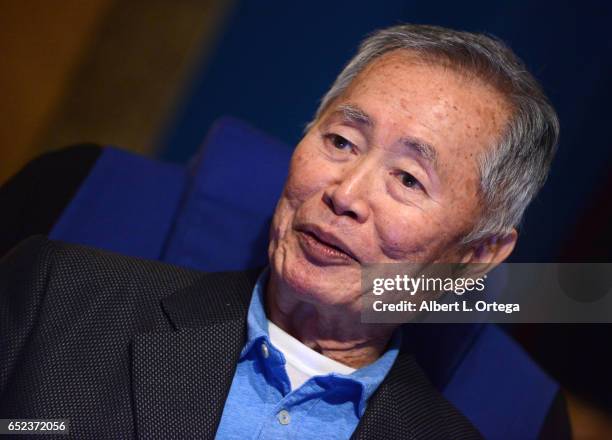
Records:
x=333, y=331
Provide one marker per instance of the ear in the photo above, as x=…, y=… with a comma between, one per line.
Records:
x=484, y=255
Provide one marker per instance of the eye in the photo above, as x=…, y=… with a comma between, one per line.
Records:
x=339, y=142
x=409, y=181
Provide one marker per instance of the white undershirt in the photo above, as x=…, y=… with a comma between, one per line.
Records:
x=302, y=361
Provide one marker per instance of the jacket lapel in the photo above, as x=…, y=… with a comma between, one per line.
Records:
x=181, y=378
x=407, y=406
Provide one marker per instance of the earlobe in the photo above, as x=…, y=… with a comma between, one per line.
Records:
x=485, y=255
x=504, y=246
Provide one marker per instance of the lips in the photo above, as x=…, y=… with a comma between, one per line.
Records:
x=328, y=239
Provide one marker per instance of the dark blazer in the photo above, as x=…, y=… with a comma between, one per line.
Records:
x=130, y=348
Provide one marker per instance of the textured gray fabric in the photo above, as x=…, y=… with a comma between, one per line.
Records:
x=128, y=348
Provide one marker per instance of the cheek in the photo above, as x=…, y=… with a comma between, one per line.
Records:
x=302, y=182
x=403, y=237
x=306, y=173
x=412, y=234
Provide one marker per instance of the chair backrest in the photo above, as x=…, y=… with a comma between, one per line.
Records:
x=214, y=215
x=233, y=186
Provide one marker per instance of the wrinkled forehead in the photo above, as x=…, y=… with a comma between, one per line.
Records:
x=400, y=94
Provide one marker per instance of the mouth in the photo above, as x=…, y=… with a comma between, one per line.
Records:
x=325, y=244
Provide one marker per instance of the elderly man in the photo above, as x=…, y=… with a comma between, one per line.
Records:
x=428, y=148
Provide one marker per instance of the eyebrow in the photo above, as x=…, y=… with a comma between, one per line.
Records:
x=354, y=115
x=422, y=149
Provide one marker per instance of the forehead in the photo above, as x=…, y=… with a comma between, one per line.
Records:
x=451, y=109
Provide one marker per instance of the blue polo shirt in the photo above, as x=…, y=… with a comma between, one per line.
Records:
x=262, y=405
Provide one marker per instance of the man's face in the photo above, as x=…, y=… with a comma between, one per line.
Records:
x=387, y=174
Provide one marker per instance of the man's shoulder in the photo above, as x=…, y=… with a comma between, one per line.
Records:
x=93, y=278
x=75, y=264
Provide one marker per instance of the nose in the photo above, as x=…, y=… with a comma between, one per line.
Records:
x=348, y=195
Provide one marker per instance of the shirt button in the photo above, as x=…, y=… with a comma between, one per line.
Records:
x=264, y=350
x=283, y=417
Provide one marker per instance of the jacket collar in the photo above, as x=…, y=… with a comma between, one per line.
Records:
x=200, y=304
x=407, y=406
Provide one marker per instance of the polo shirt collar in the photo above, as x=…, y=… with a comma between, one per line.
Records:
x=367, y=378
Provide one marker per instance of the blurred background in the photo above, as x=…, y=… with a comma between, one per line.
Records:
x=151, y=76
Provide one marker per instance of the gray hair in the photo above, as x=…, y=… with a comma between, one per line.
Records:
x=512, y=172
